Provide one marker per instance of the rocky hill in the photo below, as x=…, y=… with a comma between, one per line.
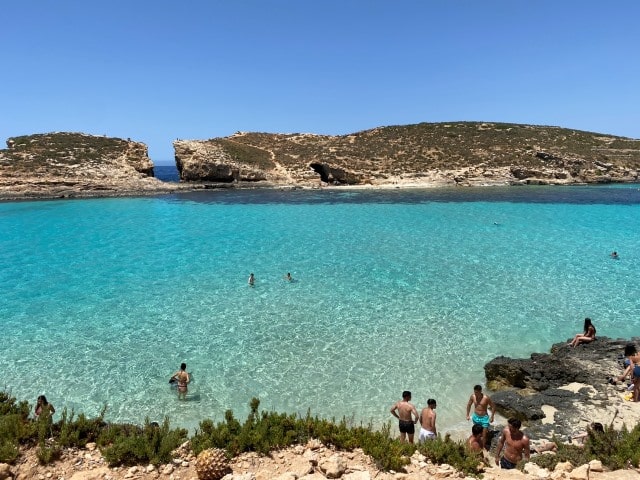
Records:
x=75, y=164
x=459, y=153
x=425, y=154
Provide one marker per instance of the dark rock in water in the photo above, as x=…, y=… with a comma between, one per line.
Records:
x=572, y=383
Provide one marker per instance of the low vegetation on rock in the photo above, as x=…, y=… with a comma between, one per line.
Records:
x=75, y=164
x=616, y=449
x=458, y=152
x=266, y=432
x=262, y=432
x=66, y=164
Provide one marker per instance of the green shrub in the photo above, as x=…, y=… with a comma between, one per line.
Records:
x=453, y=453
x=264, y=432
x=48, y=453
x=14, y=427
x=388, y=453
x=567, y=452
x=269, y=431
x=9, y=450
x=8, y=406
x=131, y=445
x=79, y=432
x=615, y=449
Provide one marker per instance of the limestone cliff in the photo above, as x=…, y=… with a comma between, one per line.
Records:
x=74, y=164
x=459, y=153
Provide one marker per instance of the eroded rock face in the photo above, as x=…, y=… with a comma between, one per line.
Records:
x=210, y=161
x=335, y=176
x=75, y=164
x=462, y=154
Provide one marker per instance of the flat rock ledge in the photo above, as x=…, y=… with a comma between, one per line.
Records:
x=562, y=392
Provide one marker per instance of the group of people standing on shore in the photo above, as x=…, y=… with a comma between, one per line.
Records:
x=514, y=445
x=513, y=441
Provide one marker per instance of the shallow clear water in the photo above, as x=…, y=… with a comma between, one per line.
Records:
x=393, y=290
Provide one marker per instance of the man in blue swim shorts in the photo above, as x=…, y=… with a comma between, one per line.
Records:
x=481, y=403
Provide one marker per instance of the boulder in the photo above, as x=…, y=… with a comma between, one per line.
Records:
x=5, y=471
x=573, y=381
x=333, y=467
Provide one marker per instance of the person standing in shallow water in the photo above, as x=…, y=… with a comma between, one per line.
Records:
x=481, y=404
x=252, y=280
x=588, y=336
x=182, y=378
x=405, y=412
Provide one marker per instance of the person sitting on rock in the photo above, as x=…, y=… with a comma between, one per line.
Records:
x=544, y=446
x=633, y=368
x=588, y=336
x=579, y=439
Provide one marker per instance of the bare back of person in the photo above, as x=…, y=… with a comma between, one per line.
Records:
x=428, y=422
x=407, y=416
x=182, y=378
x=428, y=419
x=405, y=409
x=474, y=442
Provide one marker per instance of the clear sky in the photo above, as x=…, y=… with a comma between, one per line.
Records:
x=157, y=70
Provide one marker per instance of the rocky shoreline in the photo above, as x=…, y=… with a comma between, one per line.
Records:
x=561, y=392
x=555, y=394
x=313, y=461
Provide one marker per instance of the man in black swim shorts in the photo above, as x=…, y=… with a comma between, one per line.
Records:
x=515, y=444
x=407, y=416
x=506, y=464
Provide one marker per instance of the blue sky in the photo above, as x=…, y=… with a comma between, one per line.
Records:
x=159, y=70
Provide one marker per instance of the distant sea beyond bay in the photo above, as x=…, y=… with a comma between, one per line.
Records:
x=392, y=290
x=166, y=173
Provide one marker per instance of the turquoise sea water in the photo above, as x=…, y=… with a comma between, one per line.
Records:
x=102, y=299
